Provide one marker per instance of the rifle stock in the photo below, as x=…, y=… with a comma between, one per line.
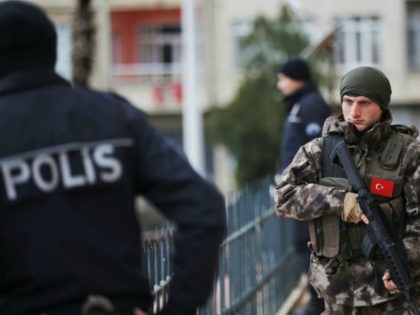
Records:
x=392, y=250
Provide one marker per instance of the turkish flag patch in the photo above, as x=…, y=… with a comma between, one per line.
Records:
x=382, y=187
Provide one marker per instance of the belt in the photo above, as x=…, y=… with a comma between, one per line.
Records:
x=94, y=312
x=98, y=305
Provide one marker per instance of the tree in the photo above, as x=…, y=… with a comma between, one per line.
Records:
x=83, y=43
x=250, y=126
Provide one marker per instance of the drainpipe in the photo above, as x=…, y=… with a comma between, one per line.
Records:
x=192, y=118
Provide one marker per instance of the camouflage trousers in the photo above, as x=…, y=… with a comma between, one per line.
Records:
x=395, y=307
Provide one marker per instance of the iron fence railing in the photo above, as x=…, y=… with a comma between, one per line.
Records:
x=257, y=268
x=157, y=246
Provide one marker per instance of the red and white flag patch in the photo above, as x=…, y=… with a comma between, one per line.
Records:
x=382, y=187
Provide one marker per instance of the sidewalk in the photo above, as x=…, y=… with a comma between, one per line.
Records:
x=297, y=298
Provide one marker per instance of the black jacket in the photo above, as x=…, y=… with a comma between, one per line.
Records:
x=72, y=161
x=307, y=111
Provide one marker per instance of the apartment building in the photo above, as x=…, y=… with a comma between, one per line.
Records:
x=385, y=34
x=139, y=49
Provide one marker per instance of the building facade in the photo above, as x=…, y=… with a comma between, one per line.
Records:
x=139, y=50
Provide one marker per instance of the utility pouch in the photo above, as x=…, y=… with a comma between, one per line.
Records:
x=324, y=232
x=331, y=231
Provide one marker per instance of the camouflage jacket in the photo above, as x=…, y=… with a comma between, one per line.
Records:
x=353, y=282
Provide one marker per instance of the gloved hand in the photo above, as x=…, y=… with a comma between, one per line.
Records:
x=351, y=209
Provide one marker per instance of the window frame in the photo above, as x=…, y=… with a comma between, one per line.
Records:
x=359, y=41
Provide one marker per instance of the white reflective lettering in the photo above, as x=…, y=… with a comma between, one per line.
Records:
x=14, y=172
x=88, y=164
x=102, y=159
x=28, y=174
x=44, y=184
x=69, y=180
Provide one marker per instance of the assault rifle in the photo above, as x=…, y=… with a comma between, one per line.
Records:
x=392, y=250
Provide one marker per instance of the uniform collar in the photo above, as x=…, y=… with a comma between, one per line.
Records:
x=292, y=99
x=375, y=134
x=29, y=79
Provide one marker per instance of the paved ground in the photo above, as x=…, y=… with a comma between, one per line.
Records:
x=297, y=298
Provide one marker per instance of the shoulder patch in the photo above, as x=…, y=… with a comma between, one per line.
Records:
x=313, y=129
x=293, y=116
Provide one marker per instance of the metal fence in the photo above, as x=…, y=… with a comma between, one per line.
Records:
x=157, y=246
x=257, y=267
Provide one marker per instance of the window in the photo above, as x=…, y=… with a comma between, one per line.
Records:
x=359, y=41
x=159, y=47
x=239, y=30
x=413, y=35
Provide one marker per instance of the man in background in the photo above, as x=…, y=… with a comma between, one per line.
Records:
x=72, y=161
x=306, y=113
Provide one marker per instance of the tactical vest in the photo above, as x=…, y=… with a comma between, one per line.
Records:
x=332, y=237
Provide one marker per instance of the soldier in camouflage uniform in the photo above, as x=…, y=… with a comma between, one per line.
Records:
x=388, y=158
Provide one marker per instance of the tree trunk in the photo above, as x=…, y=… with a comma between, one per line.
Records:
x=83, y=43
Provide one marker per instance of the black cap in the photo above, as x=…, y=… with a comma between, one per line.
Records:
x=27, y=37
x=296, y=68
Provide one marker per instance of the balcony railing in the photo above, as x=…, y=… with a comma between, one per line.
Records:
x=146, y=70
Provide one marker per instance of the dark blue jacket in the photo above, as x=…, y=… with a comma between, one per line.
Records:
x=307, y=111
x=72, y=161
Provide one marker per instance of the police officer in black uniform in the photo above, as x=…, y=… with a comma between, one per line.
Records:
x=306, y=113
x=72, y=161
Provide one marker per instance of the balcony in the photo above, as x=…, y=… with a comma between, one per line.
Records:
x=154, y=87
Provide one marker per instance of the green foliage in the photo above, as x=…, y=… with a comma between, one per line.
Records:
x=251, y=124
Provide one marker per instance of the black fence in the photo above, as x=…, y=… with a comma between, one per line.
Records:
x=258, y=268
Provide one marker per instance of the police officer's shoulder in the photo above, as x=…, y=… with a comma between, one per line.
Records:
x=111, y=101
x=312, y=101
x=99, y=94
x=110, y=96
x=314, y=109
x=116, y=96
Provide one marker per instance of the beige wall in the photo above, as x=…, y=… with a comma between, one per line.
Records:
x=405, y=84
x=225, y=14
x=124, y=4
x=219, y=78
